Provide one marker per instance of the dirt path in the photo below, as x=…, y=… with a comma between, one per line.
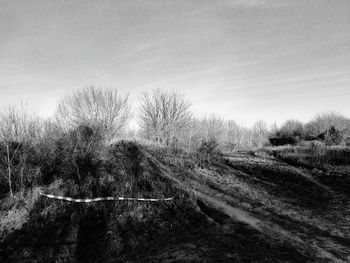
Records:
x=220, y=199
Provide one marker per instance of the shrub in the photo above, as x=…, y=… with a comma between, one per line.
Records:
x=208, y=152
x=291, y=128
x=128, y=156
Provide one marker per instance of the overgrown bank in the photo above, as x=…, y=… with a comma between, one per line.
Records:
x=189, y=229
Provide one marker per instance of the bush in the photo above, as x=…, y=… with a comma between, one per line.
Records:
x=291, y=128
x=128, y=156
x=208, y=152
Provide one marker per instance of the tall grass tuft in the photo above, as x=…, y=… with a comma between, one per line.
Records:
x=313, y=155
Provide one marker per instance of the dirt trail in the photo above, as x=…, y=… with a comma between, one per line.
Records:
x=224, y=202
x=233, y=212
x=265, y=227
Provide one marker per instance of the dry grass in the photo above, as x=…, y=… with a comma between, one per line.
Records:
x=128, y=231
x=314, y=155
x=15, y=211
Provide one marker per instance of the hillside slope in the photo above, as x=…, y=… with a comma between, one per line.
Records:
x=239, y=209
x=283, y=202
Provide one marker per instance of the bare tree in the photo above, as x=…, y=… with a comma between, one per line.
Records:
x=291, y=128
x=273, y=129
x=322, y=122
x=19, y=129
x=209, y=128
x=164, y=115
x=214, y=126
x=97, y=108
x=233, y=138
x=259, y=131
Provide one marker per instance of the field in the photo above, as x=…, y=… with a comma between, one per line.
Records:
x=237, y=207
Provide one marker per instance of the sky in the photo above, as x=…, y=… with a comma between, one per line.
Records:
x=242, y=59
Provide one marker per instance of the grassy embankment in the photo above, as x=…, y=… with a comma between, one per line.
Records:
x=186, y=229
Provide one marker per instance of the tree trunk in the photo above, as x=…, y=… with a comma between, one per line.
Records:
x=9, y=169
x=22, y=177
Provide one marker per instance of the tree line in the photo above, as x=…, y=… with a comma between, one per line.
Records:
x=87, y=120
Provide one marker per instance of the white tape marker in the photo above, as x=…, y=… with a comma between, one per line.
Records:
x=99, y=199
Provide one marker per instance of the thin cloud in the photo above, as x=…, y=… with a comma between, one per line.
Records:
x=235, y=57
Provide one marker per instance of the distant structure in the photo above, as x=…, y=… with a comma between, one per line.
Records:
x=331, y=136
x=279, y=141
